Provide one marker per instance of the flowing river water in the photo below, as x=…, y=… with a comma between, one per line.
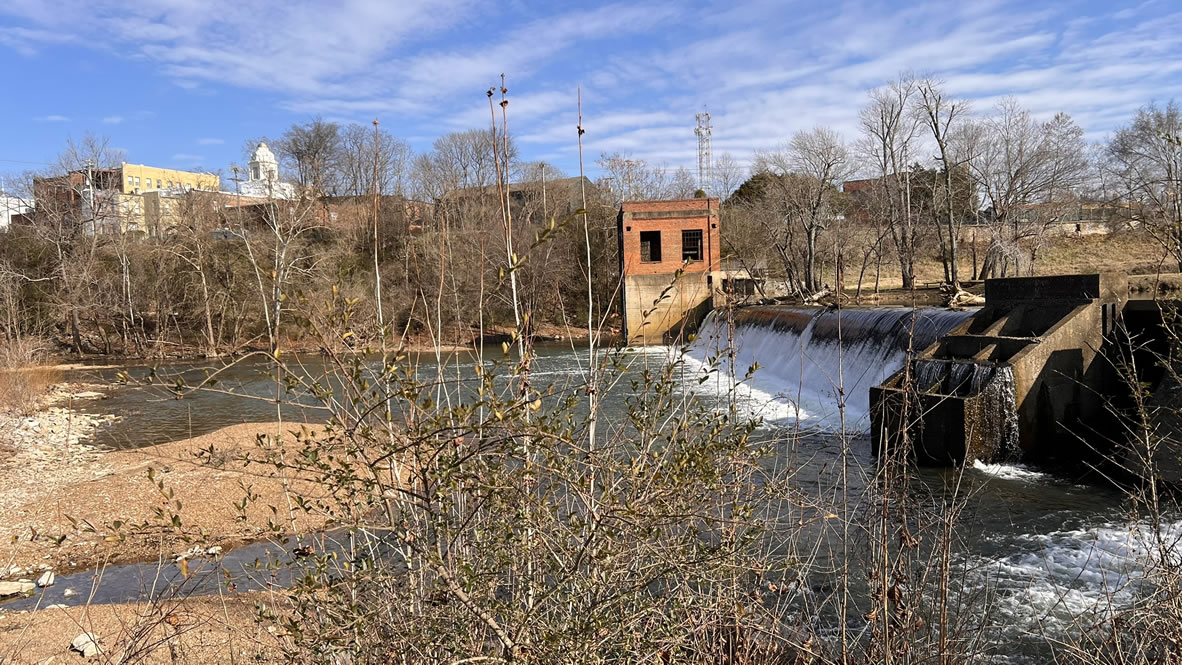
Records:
x=1049, y=548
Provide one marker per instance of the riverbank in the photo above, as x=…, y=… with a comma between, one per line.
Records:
x=64, y=360
x=206, y=629
x=80, y=506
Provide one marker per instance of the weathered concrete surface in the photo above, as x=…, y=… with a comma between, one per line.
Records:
x=1155, y=452
x=659, y=306
x=1049, y=331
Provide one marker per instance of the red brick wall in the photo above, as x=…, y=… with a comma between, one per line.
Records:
x=670, y=228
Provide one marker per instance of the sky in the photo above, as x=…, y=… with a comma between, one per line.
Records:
x=185, y=83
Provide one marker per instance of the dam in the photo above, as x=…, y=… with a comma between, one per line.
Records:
x=1033, y=376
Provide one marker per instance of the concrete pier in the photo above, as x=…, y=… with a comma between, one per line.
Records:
x=1022, y=378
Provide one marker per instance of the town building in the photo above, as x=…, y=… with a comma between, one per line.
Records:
x=111, y=200
x=12, y=206
x=262, y=177
x=530, y=202
x=138, y=178
x=656, y=239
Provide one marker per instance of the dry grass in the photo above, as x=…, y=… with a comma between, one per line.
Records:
x=1132, y=252
x=24, y=377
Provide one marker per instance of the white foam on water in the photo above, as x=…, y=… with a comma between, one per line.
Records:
x=752, y=400
x=804, y=377
x=1009, y=471
x=1076, y=579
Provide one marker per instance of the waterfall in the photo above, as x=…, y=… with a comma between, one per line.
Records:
x=1001, y=411
x=951, y=377
x=805, y=354
x=992, y=384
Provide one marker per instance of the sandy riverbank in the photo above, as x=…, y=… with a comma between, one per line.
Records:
x=207, y=629
x=60, y=499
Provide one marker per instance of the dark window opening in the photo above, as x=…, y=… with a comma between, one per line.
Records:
x=691, y=245
x=650, y=246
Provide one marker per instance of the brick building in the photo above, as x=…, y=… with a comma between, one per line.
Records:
x=657, y=238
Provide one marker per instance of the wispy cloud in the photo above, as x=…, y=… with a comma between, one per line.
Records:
x=28, y=41
x=186, y=158
x=763, y=68
x=52, y=118
x=113, y=120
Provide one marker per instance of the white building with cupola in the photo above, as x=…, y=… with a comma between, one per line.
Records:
x=262, y=177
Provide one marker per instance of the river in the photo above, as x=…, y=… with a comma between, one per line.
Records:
x=1050, y=548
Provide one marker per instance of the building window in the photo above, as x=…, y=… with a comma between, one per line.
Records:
x=650, y=246
x=137, y=181
x=158, y=185
x=691, y=245
x=130, y=182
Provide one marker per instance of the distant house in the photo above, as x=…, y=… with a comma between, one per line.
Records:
x=110, y=200
x=12, y=206
x=352, y=212
x=530, y=202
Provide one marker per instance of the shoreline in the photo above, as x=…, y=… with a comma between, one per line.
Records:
x=67, y=505
x=547, y=334
x=198, y=629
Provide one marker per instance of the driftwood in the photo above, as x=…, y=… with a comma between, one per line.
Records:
x=816, y=297
x=960, y=299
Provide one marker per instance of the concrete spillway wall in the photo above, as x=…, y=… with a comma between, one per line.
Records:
x=1008, y=380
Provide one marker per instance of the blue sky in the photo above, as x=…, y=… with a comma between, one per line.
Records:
x=182, y=83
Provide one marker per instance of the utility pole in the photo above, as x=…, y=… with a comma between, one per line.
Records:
x=90, y=194
x=545, y=218
x=377, y=271
x=237, y=195
x=704, y=160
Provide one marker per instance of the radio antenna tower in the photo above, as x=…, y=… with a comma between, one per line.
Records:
x=704, y=160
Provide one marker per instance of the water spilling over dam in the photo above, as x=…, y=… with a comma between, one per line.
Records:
x=808, y=357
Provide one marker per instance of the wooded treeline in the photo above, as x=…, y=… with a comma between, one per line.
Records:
x=226, y=277
x=820, y=211
x=983, y=192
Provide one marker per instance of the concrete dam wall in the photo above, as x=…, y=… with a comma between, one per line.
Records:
x=1029, y=377
x=806, y=355
x=1012, y=380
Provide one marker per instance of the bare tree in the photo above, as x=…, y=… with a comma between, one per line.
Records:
x=808, y=174
x=888, y=137
x=1027, y=170
x=313, y=150
x=630, y=179
x=190, y=242
x=76, y=202
x=727, y=174
x=1144, y=165
x=360, y=149
x=460, y=160
x=942, y=116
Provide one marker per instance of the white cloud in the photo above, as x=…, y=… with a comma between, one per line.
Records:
x=209, y=141
x=112, y=120
x=763, y=68
x=52, y=118
x=186, y=158
x=26, y=41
